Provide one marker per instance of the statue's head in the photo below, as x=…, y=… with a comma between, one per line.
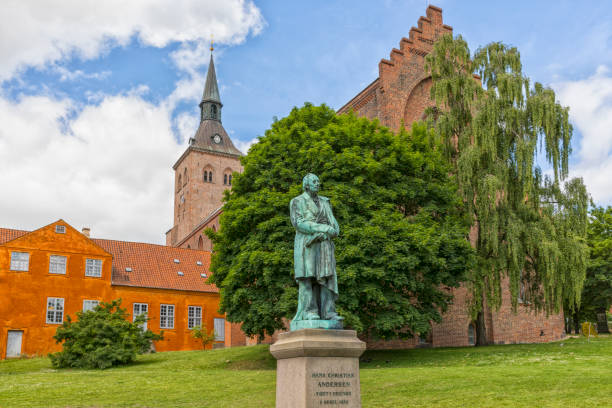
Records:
x=311, y=183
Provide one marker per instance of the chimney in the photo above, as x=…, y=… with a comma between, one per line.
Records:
x=86, y=231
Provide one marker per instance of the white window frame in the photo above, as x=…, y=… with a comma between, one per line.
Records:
x=60, y=229
x=55, y=264
x=20, y=261
x=194, y=316
x=55, y=309
x=90, y=305
x=138, y=309
x=219, y=323
x=166, y=316
x=93, y=267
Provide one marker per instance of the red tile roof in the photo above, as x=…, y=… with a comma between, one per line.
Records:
x=7, y=234
x=152, y=266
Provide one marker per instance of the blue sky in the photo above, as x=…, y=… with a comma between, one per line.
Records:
x=97, y=104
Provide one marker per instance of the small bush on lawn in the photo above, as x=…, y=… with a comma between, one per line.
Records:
x=201, y=333
x=102, y=338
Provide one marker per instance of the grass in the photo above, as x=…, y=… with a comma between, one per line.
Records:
x=563, y=374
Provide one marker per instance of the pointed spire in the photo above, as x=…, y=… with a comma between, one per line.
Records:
x=211, y=90
x=210, y=106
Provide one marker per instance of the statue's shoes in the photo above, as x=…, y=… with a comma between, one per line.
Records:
x=312, y=316
x=336, y=317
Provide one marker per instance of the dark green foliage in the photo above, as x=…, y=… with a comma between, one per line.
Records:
x=101, y=338
x=401, y=242
x=597, y=292
x=529, y=229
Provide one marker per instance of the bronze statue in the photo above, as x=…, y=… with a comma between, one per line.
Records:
x=315, y=262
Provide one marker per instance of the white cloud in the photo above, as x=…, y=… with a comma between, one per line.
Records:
x=244, y=146
x=189, y=88
x=67, y=75
x=107, y=163
x=35, y=33
x=590, y=102
x=109, y=168
x=186, y=126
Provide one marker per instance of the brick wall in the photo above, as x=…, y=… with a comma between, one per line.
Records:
x=195, y=199
x=197, y=239
x=525, y=326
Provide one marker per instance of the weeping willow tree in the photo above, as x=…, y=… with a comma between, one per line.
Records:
x=498, y=130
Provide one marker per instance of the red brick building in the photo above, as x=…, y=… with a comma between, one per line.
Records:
x=203, y=173
x=399, y=96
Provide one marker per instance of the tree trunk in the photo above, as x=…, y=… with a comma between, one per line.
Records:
x=481, y=331
x=576, y=323
x=602, y=321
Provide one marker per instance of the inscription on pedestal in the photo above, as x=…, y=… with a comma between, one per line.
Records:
x=318, y=368
x=333, y=388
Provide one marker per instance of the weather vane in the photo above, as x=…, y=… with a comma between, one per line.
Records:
x=212, y=41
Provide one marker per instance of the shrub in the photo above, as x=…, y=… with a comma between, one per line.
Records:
x=102, y=338
x=200, y=332
x=589, y=329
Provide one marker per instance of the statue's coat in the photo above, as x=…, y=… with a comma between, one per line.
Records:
x=316, y=260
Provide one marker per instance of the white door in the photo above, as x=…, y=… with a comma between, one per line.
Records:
x=219, y=329
x=13, y=343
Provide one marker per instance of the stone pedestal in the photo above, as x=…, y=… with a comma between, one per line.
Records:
x=316, y=324
x=317, y=367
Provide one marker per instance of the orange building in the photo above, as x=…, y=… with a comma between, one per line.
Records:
x=56, y=271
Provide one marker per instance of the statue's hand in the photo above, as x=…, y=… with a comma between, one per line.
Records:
x=319, y=236
x=331, y=232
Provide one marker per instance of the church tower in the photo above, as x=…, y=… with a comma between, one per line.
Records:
x=205, y=169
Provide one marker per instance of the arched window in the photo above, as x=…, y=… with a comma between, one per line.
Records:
x=208, y=174
x=471, y=334
x=227, y=177
x=185, y=176
x=188, y=246
x=200, y=243
x=180, y=183
x=213, y=111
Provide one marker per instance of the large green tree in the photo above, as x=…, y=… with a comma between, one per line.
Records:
x=597, y=291
x=497, y=128
x=401, y=243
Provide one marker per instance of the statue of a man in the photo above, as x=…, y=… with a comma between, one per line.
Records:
x=313, y=253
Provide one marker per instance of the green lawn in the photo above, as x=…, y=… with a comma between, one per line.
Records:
x=567, y=374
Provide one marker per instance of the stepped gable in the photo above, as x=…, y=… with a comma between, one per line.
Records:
x=401, y=91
